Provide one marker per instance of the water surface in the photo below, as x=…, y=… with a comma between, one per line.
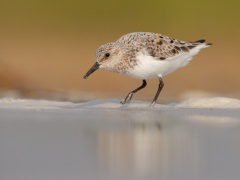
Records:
x=127, y=143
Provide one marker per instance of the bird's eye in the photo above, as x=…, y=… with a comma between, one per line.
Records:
x=107, y=54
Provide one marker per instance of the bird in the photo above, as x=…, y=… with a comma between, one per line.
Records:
x=145, y=55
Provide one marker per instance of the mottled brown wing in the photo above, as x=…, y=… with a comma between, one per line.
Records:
x=163, y=47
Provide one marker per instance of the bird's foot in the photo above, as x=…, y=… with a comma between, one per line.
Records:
x=127, y=99
x=152, y=105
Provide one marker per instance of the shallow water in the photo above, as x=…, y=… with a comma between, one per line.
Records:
x=101, y=140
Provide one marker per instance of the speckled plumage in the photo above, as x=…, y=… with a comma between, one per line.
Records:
x=145, y=55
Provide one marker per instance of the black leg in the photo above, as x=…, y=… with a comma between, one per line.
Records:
x=129, y=96
x=160, y=86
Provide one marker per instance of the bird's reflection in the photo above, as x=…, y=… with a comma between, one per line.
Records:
x=151, y=149
x=134, y=149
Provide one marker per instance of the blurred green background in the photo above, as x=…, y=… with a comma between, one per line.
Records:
x=47, y=46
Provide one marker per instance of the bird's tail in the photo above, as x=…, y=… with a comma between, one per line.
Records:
x=201, y=41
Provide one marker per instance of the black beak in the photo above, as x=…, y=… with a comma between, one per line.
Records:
x=93, y=68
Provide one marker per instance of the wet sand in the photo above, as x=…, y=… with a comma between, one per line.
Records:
x=104, y=140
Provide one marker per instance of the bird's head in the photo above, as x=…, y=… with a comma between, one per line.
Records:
x=107, y=57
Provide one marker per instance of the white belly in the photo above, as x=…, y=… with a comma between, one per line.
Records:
x=149, y=67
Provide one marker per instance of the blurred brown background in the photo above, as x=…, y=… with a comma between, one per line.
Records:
x=47, y=46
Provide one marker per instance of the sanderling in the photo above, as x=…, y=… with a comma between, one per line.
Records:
x=145, y=55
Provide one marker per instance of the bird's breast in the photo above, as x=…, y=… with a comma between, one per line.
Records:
x=146, y=67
